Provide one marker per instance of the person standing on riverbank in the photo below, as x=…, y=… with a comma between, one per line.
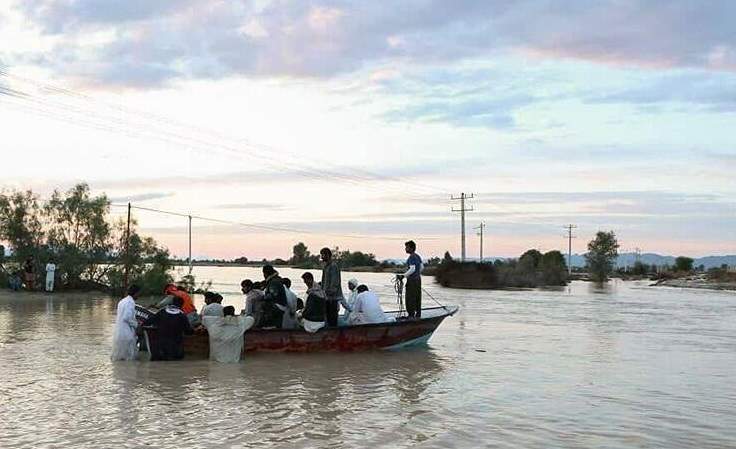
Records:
x=50, y=273
x=124, y=339
x=29, y=273
x=332, y=286
x=413, y=275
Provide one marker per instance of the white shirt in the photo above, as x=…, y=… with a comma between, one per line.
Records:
x=212, y=309
x=50, y=268
x=367, y=309
x=124, y=339
x=226, y=336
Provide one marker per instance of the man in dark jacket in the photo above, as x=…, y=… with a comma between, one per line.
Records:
x=332, y=285
x=274, y=298
x=171, y=325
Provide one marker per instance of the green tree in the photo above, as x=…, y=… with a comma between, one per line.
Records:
x=78, y=233
x=20, y=223
x=349, y=259
x=149, y=264
x=554, y=268
x=73, y=227
x=640, y=268
x=683, y=263
x=529, y=261
x=301, y=253
x=601, y=255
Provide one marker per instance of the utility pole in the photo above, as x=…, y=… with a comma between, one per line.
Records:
x=480, y=233
x=190, y=243
x=462, y=211
x=569, y=236
x=126, y=266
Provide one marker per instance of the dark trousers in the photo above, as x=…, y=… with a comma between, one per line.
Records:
x=167, y=349
x=413, y=297
x=272, y=316
x=331, y=308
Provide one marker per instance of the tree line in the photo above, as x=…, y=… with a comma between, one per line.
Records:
x=74, y=228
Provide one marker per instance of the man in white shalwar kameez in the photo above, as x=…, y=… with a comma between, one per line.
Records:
x=50, y=272
x=124, y=340
x=226, y=335
x=367, y=308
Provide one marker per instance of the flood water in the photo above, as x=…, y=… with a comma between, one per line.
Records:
x=626, y=367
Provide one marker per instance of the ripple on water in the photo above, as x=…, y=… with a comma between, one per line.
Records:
x=629, y=366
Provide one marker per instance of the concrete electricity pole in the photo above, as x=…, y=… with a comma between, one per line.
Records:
x=462, y=211
x=569, y=236
x=480, y=233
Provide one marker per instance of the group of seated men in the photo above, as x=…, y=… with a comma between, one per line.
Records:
x=268, y=304
x=272, y=303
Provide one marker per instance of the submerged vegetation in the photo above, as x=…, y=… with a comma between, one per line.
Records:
x=74, y=229
x=532, y=269
x=601, y=256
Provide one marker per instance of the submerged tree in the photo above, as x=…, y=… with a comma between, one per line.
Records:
x=77, y=233
x=601, y=255
x=554, y=268
x=20, y=223
x=73, y=228
x=684, y=264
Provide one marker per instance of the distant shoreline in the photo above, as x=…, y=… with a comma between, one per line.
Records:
x=697, y=283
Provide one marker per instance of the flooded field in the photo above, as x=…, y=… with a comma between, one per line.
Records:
x=626, y=367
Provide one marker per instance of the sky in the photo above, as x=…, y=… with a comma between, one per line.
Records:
x=351, y=123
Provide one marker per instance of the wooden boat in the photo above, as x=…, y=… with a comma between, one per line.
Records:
x=397, y=334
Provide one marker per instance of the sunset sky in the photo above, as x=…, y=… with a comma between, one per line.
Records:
x=351, y=123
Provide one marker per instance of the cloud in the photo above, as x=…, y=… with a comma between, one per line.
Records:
x=250, y=206
x=142, y=197
x=152, y=43
x=710, y=92
x=495, y=113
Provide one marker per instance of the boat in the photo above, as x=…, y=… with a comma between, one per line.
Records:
x=400, y=332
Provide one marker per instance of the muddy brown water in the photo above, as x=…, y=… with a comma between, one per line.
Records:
x=628, y=366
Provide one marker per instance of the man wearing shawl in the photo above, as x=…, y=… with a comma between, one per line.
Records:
x=289, y=320
x=274, y=298
x=349, y=303
x=313, y=315
x=171, y=325
x=226, y=335
x=124, y=339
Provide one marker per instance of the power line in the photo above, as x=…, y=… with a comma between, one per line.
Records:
x=462, y=211
x=314, y=169
x=266, y=227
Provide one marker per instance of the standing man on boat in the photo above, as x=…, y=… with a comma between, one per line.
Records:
x=332, y=286
x=413, y=275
